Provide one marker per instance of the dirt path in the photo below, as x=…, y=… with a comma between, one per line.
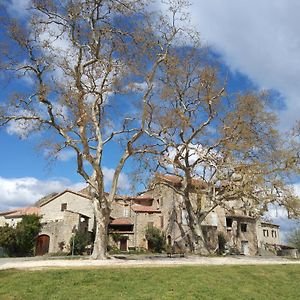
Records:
x=38, y=264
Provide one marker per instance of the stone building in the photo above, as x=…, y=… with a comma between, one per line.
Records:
x=65, y=213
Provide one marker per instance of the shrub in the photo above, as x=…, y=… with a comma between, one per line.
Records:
x=80, y=240
x=20, y=241
x=27, y=232
x=155, y=238
x=8, y=240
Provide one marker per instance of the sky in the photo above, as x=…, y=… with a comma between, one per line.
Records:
x=257, y=41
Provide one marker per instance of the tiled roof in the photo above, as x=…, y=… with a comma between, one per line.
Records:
x=128, y=198
x=144, y=208
x=269, y=224
x=121, y=221
x=177, y=180
x=3, y=213
x=23, y=212
x=65, y=191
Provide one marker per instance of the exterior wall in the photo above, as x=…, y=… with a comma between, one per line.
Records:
x=51, y=211
x=60, y=231
x=141, y=222
x=236, y=237
x=272, y=237
x=175, y=225
x=2, y=221
x=12, y=221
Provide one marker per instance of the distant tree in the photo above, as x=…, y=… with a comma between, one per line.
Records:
x=293, y=238
x=21, y=240
x=155, y=239
x=8, y=239
x=27, y=232
x=79, y=242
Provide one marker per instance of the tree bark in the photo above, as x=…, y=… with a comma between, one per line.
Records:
x=101, y=230
x=197, y=241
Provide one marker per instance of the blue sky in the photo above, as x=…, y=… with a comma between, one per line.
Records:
x=258, y=43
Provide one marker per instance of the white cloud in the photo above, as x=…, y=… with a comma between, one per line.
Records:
x=63, y=155
x=258, y=38
x=17, y=8
x=24, y=191
x=123, y=183
x=66, y=155
x=21, y=128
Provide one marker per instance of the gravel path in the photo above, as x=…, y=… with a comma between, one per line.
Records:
x=41, y=263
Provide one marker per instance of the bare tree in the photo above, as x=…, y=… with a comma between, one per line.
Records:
x=223, y=146
x=92, y=67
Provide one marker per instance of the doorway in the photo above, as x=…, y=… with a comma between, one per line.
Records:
x=123, y=244
x=245, y=247
x=42, y=244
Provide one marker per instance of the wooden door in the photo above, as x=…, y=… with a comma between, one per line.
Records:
x=42, y=244
x=123, y=245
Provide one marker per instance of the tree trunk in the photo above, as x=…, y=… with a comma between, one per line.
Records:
x=101, y=230
x=197, y=241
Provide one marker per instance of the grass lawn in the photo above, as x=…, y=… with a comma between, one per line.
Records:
x=205, y=282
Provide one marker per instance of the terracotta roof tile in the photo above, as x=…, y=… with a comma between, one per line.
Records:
x=177, y=180
x=128, y=198
x=23, y=212
x=144, y=208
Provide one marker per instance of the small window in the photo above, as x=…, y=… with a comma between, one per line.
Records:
x=162, y=221
x=274, y=234
x=63, y=206
x=265, y=232
x=243, y=227
x=229, y=222
x=126, y=211
x=150, y=224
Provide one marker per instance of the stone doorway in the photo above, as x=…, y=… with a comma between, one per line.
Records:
x=42, y=244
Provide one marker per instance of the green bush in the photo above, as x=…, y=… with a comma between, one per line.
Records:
x=155, y=238
x=20, y=241
x=8, y=240
x=80, y=240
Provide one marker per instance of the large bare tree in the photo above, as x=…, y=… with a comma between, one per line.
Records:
x=91, y=67
x=228, y=143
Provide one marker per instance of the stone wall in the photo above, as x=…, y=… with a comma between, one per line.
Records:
x=267, y=233
x=60, y=231
x=52, y=211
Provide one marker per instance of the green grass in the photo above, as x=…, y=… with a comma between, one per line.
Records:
x=206, y=282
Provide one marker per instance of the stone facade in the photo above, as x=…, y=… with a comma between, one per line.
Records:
x=161, y=207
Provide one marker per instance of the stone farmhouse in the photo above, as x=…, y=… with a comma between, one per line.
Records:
x=67, y=212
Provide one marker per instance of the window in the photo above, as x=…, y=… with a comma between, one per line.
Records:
x=274, y=233
x=229, y=222
x=63, y=206
x=126, y=211
x=162, y=221
x=265, y=232
x=150, y=224
x=243, y=227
